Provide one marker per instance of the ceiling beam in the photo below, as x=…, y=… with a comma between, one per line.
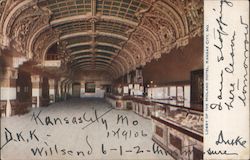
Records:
x=96, y=44
x=78, y=34
x=86, y=56
x=89, y=60
x=104, y=65
x=89, y=50
x=79, y=18
x=75, y=61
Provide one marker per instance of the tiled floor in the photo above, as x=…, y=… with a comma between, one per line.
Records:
x=70, y=130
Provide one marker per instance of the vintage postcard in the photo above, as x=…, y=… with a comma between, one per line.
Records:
x=124, y=79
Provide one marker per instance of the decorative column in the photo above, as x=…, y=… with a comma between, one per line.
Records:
x=8, y=88
x=63, y=90
x=52, y=90
x=71, y=88
x=66, y=90
x=59, y=84
x=56, y=90
x=36, y=90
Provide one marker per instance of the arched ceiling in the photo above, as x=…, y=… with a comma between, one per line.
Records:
x=112, y=35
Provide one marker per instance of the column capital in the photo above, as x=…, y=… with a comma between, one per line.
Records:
x=36, y=81
x=10, y=73
x=51, y=82
x=8, y=79
x=62, y=79
x=36, y=78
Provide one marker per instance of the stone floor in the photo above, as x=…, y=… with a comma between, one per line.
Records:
x=78, y=129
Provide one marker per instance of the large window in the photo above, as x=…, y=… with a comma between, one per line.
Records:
x=90, y=87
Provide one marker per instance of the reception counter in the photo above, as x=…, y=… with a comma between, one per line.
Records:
x=179, y=132
x=119, y=101
x=177, y=129
x=140, y=105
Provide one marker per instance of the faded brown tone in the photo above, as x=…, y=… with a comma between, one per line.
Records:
x=96, y=35
x=177, y=65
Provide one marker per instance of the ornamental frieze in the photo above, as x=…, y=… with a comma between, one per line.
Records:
x=162, y=25
x=2, y=7
x=26, y=23
x=42, y=43
x=164, y=31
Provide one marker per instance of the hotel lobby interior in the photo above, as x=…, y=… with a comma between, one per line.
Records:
x=101, y=79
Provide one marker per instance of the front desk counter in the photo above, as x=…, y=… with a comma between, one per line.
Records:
x=119, y=101
x=140, y=105
x=145, y=107
x=179, y=131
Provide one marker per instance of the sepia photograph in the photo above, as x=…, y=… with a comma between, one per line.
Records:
x=105, y=79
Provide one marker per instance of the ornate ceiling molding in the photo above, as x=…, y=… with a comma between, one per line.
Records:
x=11, y=11
x=145, y=33
x=168, y=26
x=65, y=37
x=80, y=18
x=136, y=50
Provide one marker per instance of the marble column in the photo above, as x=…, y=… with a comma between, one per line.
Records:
x=61, y=87
x=8, y=87
x=71, y=88
x=36, y=89
x=52, y=90
x=65, y=90
x=59, y=84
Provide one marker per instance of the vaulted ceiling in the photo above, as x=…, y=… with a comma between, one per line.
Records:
x=114, y=36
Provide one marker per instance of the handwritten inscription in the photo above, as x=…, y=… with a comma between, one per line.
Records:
x=19, y=137
x=245, y=64
x=122, y=128
x=233, y=142
x=225, y=37
x=221, y=29
x=230, y=67
x=56, y=150
x=135, y=149
x=226, y=79
x=223, y=141
x=53, y=121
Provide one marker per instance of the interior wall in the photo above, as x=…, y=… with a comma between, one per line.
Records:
x=176, y=65
x=100, y=78
x=100, y=89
